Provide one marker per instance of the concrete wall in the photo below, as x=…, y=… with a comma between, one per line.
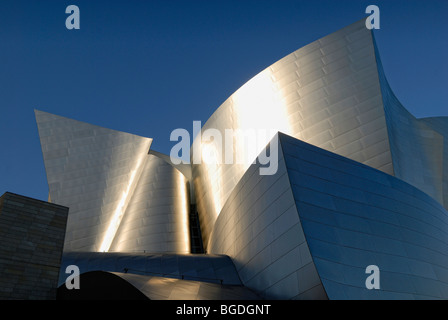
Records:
x=31, y=241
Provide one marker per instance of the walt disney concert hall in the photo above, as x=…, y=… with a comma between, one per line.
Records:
x=359, y=182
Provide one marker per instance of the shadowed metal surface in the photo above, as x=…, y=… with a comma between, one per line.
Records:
x=417, y=149
x=440, y=125
x=354, y=216
x=103, y=285
x=310, y=231
x=198, y=267
x=158, y=288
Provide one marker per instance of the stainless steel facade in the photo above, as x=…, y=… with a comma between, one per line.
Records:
x=360, y=181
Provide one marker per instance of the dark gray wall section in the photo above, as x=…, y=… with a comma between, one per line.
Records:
x=31, y=241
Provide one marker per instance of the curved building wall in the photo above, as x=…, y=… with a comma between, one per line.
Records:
x=326, y=93
x=311, y=230
x=184, y=168
x=120, y=197
x=157, y=288
x=156, y=218
x=354, y=216
x=259, y=228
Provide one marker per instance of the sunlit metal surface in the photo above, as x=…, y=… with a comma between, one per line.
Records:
x=333, y=94
x=120, y=197
x=326, y=93
x=156, y=218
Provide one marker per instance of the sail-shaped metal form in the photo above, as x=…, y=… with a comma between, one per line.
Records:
x=333, y=94
x=97, y=173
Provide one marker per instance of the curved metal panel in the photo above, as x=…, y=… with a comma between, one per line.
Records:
x=103, y=285
x=159, y=288
x=354, y=216
x=198, y=267
x=121, y=198
x=326, y=93
x=417, y=149
x=260, y=229
x=156, y=218
x=312, y=230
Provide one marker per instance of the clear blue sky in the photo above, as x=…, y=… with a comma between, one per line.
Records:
x=148, y=67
